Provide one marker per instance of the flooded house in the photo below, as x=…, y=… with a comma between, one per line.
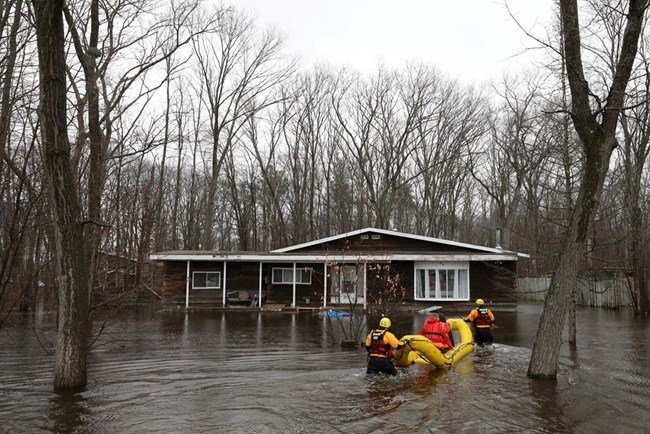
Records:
x=355, y=268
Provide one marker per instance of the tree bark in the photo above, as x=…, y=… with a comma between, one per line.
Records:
x=573, y=329
x=72, y=269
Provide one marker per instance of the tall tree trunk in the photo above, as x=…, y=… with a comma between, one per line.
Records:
x=568, y=191
x=160, y=233
x=147, y=219
x=179, y=166
x=637, y=253
x=97, y=158
x=7, y=82
x=209, y=211
x=71, y=266
x=598, y=141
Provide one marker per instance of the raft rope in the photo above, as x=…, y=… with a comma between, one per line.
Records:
x=420, y=355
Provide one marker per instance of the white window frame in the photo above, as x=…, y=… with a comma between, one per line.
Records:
x=436, y=266
x=218, y=273
x=299, y=271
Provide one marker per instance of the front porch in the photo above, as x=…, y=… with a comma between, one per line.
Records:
x=227, y=284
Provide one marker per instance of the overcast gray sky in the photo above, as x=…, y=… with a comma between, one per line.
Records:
x=472, y=39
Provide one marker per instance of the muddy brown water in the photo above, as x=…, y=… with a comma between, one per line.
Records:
x=270, y=372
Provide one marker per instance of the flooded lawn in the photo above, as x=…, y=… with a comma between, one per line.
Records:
x=273, y=372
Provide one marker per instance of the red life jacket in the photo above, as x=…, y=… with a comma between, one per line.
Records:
x=437, y=332
x=379, y=348
x=483, y=318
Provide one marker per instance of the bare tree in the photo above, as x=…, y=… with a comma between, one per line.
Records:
x=72, y=269
x=274, y=225
x=634, y=152
x=18, y=194
x=451, y=131
x=123, y=44
x=376, y=123
x=239, y=70
x=304, y=116
x=516, y=147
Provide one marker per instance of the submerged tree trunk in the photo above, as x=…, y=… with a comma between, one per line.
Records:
x=638, y=260
x=69, y=254
x=543, y=362
x=598, y=141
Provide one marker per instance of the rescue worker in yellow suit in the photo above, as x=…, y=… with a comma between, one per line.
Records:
x=482, y=318
x=380, y=343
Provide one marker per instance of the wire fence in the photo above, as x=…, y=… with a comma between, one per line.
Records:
x=610, y=293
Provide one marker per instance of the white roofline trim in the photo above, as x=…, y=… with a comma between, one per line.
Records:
x=394, y=233
x=331, y=258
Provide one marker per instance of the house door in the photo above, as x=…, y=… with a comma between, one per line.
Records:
x=347, y=284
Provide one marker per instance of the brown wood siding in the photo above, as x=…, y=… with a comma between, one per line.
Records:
x=385, y=243
x=394, y=279
x=493, y=281
x=174, y=278
x=175, y=273
x=245, y=276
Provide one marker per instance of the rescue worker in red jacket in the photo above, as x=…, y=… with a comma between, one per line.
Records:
x=380, y=344
x=483, y=318
x=437, y=332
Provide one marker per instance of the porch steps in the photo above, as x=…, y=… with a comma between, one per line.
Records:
x=273, y=307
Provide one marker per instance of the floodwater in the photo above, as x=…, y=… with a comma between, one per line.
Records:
x=252, y=372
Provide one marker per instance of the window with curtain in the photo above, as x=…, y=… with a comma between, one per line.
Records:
x=285, y=276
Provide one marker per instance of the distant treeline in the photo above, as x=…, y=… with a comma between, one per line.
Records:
x=192, y=128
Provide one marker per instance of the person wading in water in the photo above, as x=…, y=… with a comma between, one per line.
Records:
x=483, y=318
x=380, y=344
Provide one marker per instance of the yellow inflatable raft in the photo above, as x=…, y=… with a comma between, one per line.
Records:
x=419, y=349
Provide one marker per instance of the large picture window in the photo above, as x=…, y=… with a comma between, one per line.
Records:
x=206, y=280
x=285, y=276
x=441, y=281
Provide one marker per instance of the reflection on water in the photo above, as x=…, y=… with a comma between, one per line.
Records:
x=546, y=404
x=272, y=372
x=67, y=412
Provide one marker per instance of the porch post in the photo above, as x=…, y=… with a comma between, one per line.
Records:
x=365, y=285
x=293, y=304
x=325, y=284
x=187, y=286
x=224, y=283
x=259, y=297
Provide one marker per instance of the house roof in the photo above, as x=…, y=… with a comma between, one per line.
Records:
x=402, y=235
x=325, y=257
x=290, y=254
